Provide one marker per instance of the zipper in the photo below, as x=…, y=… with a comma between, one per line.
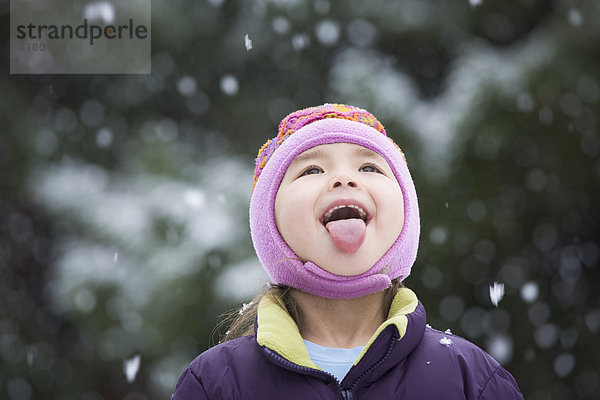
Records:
x=354, y=385
x=282, y=360
x=347, y=394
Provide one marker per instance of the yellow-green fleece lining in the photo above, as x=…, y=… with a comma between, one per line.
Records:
x=405, y=302
x=278, y=331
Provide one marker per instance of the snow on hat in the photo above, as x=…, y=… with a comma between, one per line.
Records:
x=298, y=132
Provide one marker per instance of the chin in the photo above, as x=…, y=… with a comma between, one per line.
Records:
x=352, y=268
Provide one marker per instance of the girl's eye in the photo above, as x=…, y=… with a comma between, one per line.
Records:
x=311, y=170
x=369, y=168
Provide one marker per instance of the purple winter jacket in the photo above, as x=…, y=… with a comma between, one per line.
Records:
x=404, y=360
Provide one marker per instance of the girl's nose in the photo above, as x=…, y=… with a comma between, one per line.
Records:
x=342, y=181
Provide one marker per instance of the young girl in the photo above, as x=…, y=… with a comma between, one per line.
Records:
x=335, y=222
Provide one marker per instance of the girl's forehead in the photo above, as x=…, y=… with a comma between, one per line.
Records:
x=324, y=150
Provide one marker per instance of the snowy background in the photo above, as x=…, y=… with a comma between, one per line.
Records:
x=123, y=199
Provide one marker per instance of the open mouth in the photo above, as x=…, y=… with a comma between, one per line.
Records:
x=344, y=212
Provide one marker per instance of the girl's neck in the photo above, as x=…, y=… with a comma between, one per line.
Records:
x=343, y=323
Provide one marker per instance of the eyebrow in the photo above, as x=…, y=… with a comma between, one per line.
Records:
x=364, y=152
x=313, y=154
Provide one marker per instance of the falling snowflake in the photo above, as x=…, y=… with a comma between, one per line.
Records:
x=104, y=137
x=300, y=41
x=328, y=32
x=529, y=292
x=187, y=85
x=496, y=293
x=131, y=367
x=116, y=258
x=474, y=3
x=248, y=42
x=229, y=85
x=100, y=10
x=446, y=342
x=575, y=17
x=30, y=355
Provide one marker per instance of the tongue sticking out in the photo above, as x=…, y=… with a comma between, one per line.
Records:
x=347, y=234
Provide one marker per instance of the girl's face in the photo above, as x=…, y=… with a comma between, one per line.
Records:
x=339, y=174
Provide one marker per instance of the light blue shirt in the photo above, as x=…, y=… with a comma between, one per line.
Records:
x=335, y=361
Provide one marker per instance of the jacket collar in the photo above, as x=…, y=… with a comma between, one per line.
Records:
x=276, y=330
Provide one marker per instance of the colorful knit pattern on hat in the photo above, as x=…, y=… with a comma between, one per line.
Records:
x=300, y=118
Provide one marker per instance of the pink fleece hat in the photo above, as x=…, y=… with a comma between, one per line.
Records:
x=298, y=132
